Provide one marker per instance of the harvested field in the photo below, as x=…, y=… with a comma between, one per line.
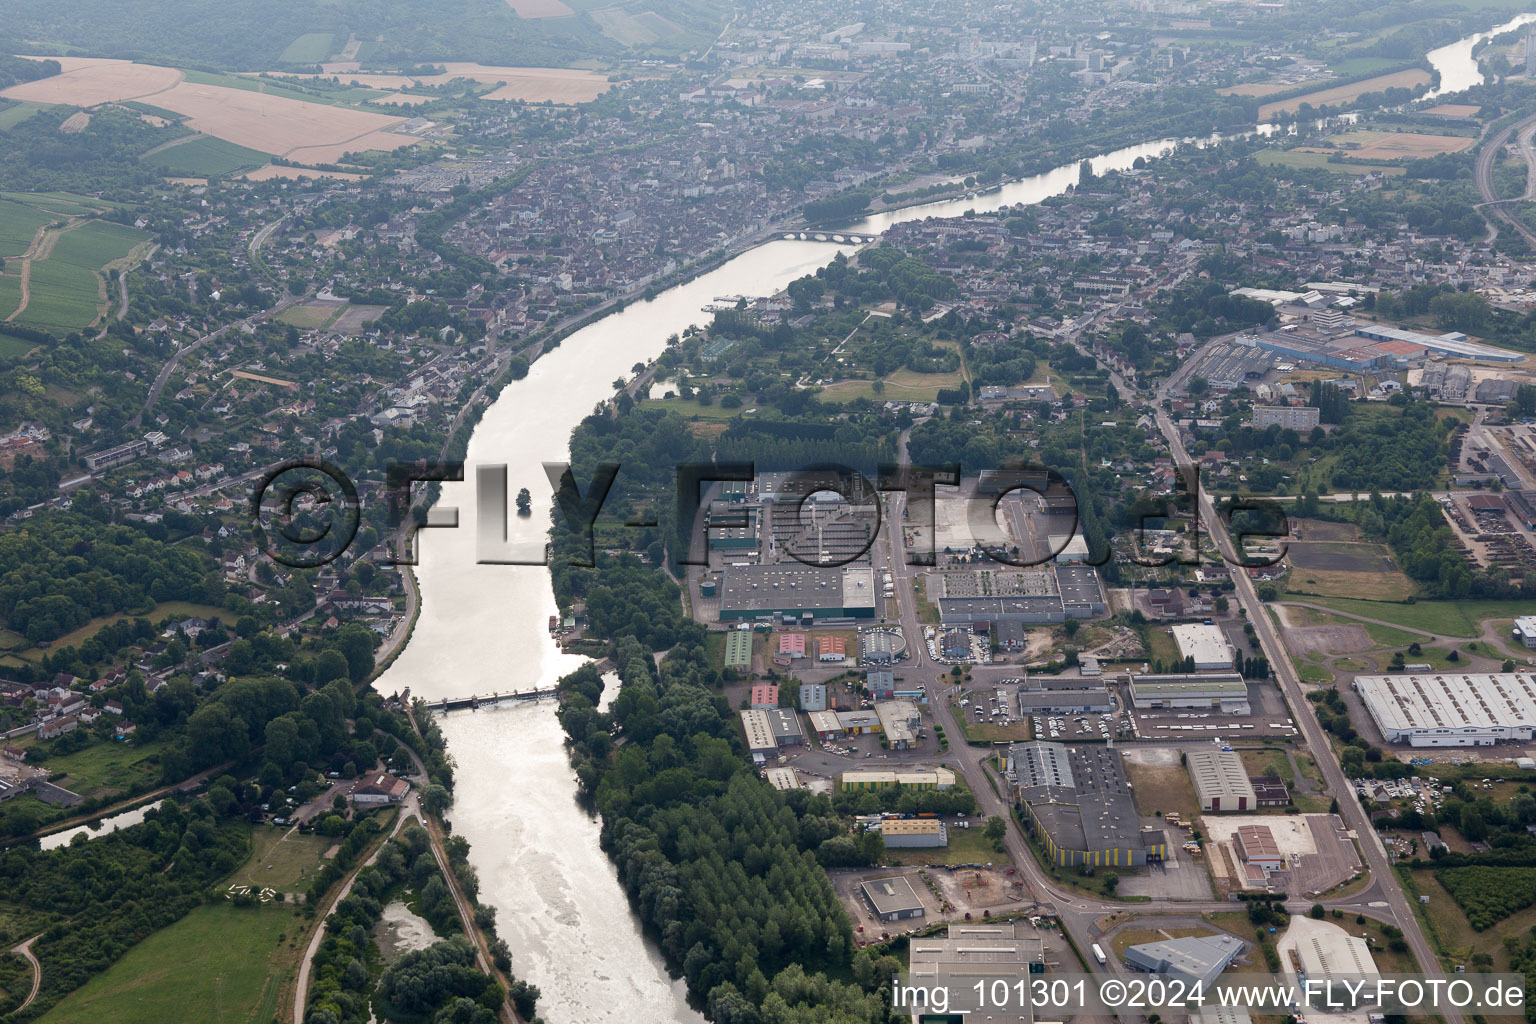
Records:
x=271, y=124
x=274, y=171
x=535, y=85
x=1369, y=586
x=75, y=123
x=540, y=8
x=1454, y=110
x=1408, y=79
x=284, y=127
x=91, y=81
x=1259, y=88
x=1400, y=145
x=352, y=321
x=1341, y=556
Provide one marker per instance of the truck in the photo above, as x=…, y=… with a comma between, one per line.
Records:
x=1098, y=954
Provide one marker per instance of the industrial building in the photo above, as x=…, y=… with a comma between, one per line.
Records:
x=881, y=684
x=892, y=899
x=1198, y=959
x=797, y=591
x=1270, y=791
x=968, y=951
x=1206, y=644
x=1452, y=709
x=1331, y=955
x=759, y=733
x=857, y=723
x=913, y=833
x=738, y=649
x=831, y=648
x=1255, y=845
x=813, y=696
x=1524, y=630
x=913, y=778
x=1065, y=702
x=792, y=645
x=879, y=646
x=826, y=725
x=1224, y=690
x=1079, y=805
x=782, y=778
x=786, y=727
x=1030, y=596
x=764, y=697
x=1221, y=781
x=901, y=722
x=1522, y=505
x=1451, y=344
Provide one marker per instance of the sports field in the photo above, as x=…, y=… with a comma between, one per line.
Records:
x=220, y=964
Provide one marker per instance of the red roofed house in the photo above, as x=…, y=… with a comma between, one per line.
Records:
x=765, y=697
x=831, y=648
x=792, y=644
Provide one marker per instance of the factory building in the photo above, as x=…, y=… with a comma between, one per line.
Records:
x=1524, y=630
x=782, y=778
x=786, y=727
x=1221, y=781
x=1078, y=803
x=827, y=725
x=901, y=722
x=971, y=950
x=912, y=778
x=913, y=833
x=1065, y=702
x=1452, y=709
x=759, y=733
x=857, y=723
x=764, y=697
x=798, y=591
x=738, y=649
x=1224, y=690
x=1206, y=644
x=1452, y=344
x=813, y=696
x=1255, y=844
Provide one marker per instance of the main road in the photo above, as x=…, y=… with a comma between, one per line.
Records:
x=1492, y=204
x=1275, y=650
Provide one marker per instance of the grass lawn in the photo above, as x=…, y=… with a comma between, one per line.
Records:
x=286, y=864
x=1386, y=636
x=218, y=965
x=311, y=317
x=689, y=407
x=1371, y=586
x=1140, y=936
x=108, y=766
x=966, y=846
x=1160, y=644
x=1447, y=618
x=1311, y=672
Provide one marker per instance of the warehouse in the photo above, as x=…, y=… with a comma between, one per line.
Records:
x=1330, y=954
x=813, y=696
x=826, y=725
x=1255, y=844
x=1446, y=709
x=786, y=727
x=764, y=697
x=1064, y=702
x=1079, y=805
x=738, y=649
x=1197, y=959
x=1206, y=644
x=892, y=899
x=831, y=648
x=913, y=833
x=881, y=684
x=971, y=950
x=1221, y=781
x=759, y=733
x=1524, y=630
x=1224, y=690
x=901, y=722
x=857, y=723
x=1451, y=344
x=792, y=645
x=793, y=589
x=912, y=778
x=783, y=778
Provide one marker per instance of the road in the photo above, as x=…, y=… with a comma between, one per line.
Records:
x=25, y=950
x=1491, y=203
x=1385, y=881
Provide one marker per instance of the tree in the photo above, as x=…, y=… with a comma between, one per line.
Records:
x=1111, y=882
x=524, y=502
x=997, y=828
x=1317, y=912
x=435, y=800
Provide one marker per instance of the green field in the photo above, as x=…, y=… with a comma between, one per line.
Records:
x=966, y=846
x=64, y=297
x=1290, y=158
x=1446, y=618
x=96, y=243
x=220, y=964
x=311, y=317
x=10, y=298
x=18, y=226
x=15, y=113
x=206, y=156
x=310, y=48
x=281, y=860
x=107, y=767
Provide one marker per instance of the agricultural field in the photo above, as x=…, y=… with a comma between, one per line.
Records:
x=1379, y=145
x=1489, y=894
x=97, y=243
x=1339, y=94
x=534, y=85
x=1445, y=618
x=203, y=156
x=14, y=113
x=63, y=297
x=221, y=964
x=18, y=227
x=540, y=8
x=1338, y=568
x=309, y=48
x=91, y=81
x=1304, y=158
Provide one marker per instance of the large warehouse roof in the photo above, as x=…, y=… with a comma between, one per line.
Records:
x=1451, y=708
x=1206, y=644
x=793, y=586
x=1221, y=780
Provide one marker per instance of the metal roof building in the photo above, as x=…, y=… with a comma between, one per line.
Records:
x=1221, y=781
x=783, y=778
x=1225, y=690
x=901, y=721
x=892, y=899
x=1079, y=805
x=1206, y=644
x=913, y=833
x=1064, y=701
x=790, y=588
x=972, y=950
x=759, y=732
x=1452, y=709
x=1199, y=958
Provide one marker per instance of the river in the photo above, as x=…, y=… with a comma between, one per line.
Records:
x=482, y=628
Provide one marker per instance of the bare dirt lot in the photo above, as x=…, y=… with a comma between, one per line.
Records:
x=1328, y=639
x=1346, y=93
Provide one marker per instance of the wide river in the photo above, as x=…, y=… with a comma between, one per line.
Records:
x=482, y=628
